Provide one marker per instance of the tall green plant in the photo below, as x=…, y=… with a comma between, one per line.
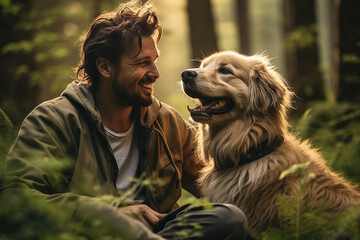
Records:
x=303, y=221
x=335, y=130
x=7, y=134
x=24, y=214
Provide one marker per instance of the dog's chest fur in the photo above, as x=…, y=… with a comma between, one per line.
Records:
x=253, y=187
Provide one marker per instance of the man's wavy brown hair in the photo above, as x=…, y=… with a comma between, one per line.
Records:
x=112, y=34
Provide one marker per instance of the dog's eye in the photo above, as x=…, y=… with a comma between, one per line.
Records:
x=224, y=70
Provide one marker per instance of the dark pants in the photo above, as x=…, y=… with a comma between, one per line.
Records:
x=221, y=222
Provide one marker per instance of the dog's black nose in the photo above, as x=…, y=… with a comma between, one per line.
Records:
x=188, y=75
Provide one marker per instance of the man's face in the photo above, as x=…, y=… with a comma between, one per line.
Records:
x=135, y=75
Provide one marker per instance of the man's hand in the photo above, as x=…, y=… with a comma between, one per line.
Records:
x=144, y=213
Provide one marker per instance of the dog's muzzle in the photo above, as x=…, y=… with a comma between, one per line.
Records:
x=188, y=76
x=209, y=105
x=189, y=84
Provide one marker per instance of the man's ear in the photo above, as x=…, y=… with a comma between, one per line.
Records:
x=104, y=67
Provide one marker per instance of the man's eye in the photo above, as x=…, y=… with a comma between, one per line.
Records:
x=224, y=70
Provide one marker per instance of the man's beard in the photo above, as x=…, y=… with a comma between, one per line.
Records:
x=123, y=98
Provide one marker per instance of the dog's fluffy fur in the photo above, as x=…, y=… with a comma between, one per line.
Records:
x=259, y=98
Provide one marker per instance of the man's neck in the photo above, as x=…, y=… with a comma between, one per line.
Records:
x=115, y=117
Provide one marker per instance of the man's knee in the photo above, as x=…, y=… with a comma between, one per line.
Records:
x=223, y=221
x=231, y=219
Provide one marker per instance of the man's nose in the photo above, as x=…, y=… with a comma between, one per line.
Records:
x=154, y=73
x=188, y=75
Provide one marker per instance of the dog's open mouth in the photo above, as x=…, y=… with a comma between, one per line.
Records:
x=211, y=106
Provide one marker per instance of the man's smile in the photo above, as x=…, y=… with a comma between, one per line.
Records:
x=147, y=85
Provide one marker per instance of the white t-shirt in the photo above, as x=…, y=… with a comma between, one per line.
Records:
x=126, y=152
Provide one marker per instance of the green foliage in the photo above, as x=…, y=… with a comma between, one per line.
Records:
x=298, y=215
x=22, y=217
x=302, y=37
x=45, y=47
x=298, y=169
x=303, y=220
x=25, y=216
x=9, y=8
x=127, y=197
x=6, y=136
x=350, y=58
x=335, y=130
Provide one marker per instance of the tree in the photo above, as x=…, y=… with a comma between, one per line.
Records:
x=38, y=51
x=328, y=46
x=202, y=31
x=15, y=91
x=349, y=34
x=301, y=49
x=243, y=23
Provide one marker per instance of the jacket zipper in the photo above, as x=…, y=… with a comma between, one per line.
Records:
x=168, y=152
x=147, y=190
x=114, y=163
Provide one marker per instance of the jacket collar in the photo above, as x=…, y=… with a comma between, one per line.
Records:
x=147, y=115
x=83, y=95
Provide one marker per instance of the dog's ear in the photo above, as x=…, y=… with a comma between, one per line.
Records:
x=268, y=89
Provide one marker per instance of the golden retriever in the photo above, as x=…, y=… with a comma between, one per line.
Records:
x=244, y=138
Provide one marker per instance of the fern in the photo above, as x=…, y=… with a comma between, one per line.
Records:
x=6, y=135
x=305, y=221
x=335, y=130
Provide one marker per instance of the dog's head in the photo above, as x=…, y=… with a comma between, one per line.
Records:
x=229, y=85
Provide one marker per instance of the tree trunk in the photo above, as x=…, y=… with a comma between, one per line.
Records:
x=291, y=60
x=202, y=32
x=17, y=94
x=242, y=11
x=326, y=13
x=302, y=61
x=349, y=32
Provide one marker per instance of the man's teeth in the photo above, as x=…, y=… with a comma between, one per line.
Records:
x=147, y=85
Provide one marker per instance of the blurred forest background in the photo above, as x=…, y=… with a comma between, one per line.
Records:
x=314, y=44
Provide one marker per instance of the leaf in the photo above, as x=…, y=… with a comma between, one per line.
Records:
x=302, y=125
x=294, y=169
x=21, y=46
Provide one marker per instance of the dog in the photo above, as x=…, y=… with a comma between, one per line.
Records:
x=244, y=139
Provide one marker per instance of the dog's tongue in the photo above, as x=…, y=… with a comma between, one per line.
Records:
x=205, y=110
x=199, y=110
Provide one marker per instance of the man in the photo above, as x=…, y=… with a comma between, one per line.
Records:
x=106, y=128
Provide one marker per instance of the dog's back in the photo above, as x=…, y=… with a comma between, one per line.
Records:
x=255, y=187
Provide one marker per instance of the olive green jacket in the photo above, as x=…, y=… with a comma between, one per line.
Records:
x=61, y=151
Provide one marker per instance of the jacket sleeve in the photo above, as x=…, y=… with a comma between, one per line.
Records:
x=38, y=158
x=42, y=158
